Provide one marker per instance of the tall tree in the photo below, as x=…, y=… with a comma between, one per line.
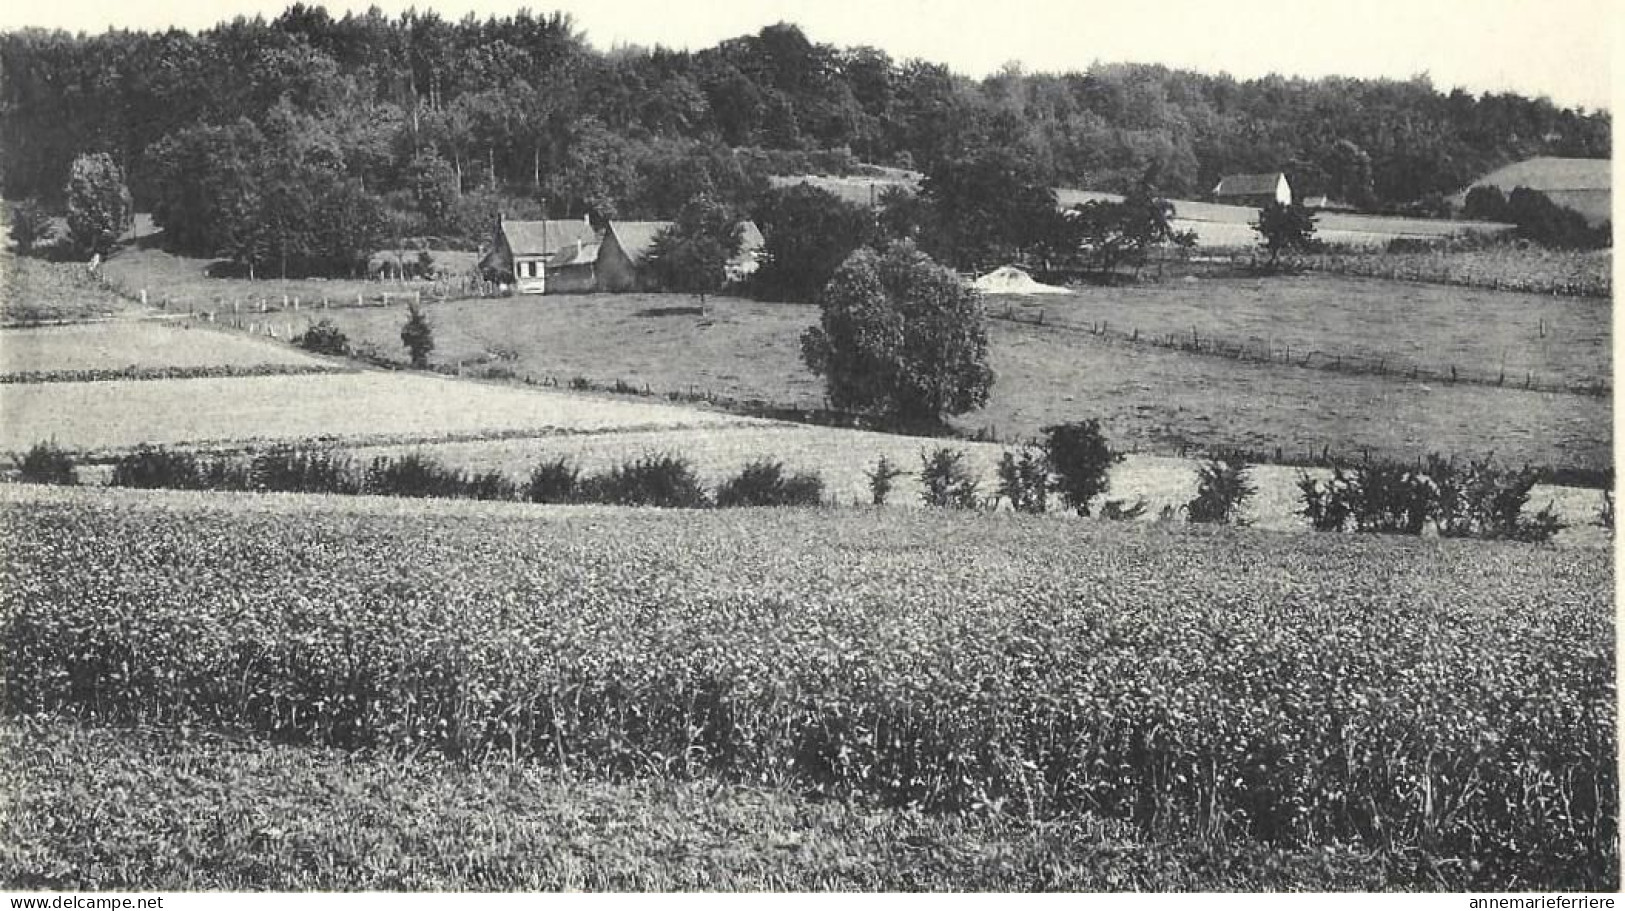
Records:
x=692, y=254
x=809, y=232
x=99, y=206
x=900, y=335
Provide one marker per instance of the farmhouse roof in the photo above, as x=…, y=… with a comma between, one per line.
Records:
x=1248, y=184
x=540, y=238
x=637, y=237
x=1548, y=173
x=574, y=255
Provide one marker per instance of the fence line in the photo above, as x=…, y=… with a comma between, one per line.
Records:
x=1267, y=352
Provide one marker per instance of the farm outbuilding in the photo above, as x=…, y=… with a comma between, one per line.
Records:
x=522, y=251
x=625, y=247
x=1582, y=184
x=1253, y=190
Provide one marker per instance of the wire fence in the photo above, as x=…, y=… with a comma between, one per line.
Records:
x=1265, y=351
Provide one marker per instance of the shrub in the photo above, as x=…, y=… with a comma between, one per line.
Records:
x=1605, y=511
x=1121, y=509
x=154, y=467
x=417, y=335
x=1473, y=501
x=880, y=480
x=1222, y=489
x=1081, y=461
x=763, y=483
x=299, y=470
x=412, y=475
x=1025, y=481
x=553, y=482
x=946, y=481
x=47, y=463
x=1480, y=500
x=652, y=480
x=489, y=485
x=324, y=337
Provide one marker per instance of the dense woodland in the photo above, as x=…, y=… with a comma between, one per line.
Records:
x=416, y=125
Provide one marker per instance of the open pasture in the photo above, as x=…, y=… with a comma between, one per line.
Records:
x=182, y=284
x=1556, y=341
x=133, y=345
x=119, y=415
x=1422, y=700
x=36, y=291
x=1150, y=399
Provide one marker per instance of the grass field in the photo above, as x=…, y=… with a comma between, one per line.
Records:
x=36, y=291
x=1558, y=341
x=1150, y=399
x=201, y=812
x=1581, y=273
x=131, y=344
x=120, y=415
x=180, y=284
x=1444, y=708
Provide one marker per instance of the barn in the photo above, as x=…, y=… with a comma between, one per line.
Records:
x=522, y=251
x=625, y=249
x=1582, y=184
x=1253, y=190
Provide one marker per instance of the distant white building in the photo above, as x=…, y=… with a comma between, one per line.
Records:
x=1253, y=190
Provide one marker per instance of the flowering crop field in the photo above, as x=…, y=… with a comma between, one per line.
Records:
x=1447, y=705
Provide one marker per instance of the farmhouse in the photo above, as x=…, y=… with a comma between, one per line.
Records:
x=625, y=247
x=522, y=252
x=1253, y=190
x=1582, y=184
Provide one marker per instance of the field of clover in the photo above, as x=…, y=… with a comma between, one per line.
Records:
x=1450, y=703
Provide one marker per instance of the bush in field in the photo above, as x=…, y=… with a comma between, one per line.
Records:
x=1379, y=498
x=1223, y=487
x=30, y=226
x=900, y=336
x=553, y=482
x=295, y=469
x=880, y=480
x=154, y=467
x=47, y=463
x=324, y=337
x=1605, y=511
x=1477, y=500
x=1282, y=228
x=1081, y=462
x=1024, y=481
x=1487, y=203
x=764, y=483
x=412, y=475
x=1122, y=510
x=651, y=480
x=946, y=481
x=1480, y=500
x=489, y=485
x=99, y=205
x=417, y=335
x=1551, y=225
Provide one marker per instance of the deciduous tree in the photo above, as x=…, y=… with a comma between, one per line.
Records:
x=902, y=336
x=99, y=206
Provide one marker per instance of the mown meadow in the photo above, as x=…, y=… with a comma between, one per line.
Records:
x=1445, y=707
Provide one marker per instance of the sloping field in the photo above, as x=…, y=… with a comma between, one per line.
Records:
x=1151, y=399
x=119, y=415
x=1556, y=341
x=35, y=291
x=1309, y=691
x=134, y=345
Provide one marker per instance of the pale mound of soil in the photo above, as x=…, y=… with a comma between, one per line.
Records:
x=1010, y=280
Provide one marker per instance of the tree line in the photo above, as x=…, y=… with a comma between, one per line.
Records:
x=522, y=103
